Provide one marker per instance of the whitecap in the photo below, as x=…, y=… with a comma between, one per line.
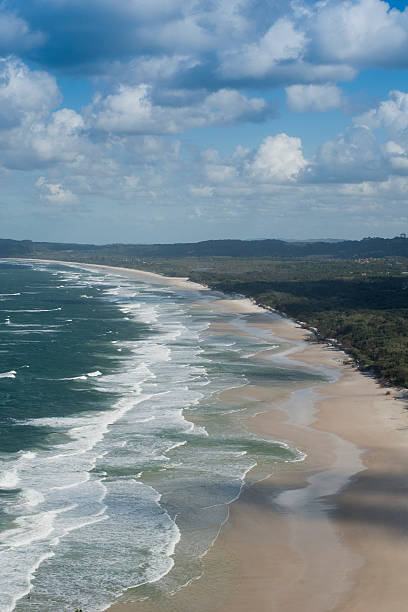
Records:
x=31, y=310
x=11, y=374
x=174, y=446
x=9, y=479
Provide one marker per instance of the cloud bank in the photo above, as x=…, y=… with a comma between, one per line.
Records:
x=199, y=106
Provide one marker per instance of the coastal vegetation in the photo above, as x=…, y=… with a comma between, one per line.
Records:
x=354, y=292
x=362, y=305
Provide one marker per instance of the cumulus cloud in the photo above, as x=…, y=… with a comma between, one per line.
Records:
x=32, y=133
x=24, y=94
x=15, y=34
x=55, y=193
x=320, y=98
x=397, y=157
x=365, y=33
x=220, y=173
x=59, y=139
x=359, y=154
x=215, y=44
x=282, y=42
x=391, y=114
x=131, y=110
x=36, y=144
x=164, y=68
x=353, y=157
x=278, y=159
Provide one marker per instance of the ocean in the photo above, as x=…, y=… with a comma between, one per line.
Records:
x=118, y=458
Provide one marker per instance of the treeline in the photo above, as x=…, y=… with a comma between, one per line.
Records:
x=365, y=311
x=368, y=247
x=363, y=305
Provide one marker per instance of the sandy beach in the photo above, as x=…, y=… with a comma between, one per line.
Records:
x=151, y=277
x=326, y=533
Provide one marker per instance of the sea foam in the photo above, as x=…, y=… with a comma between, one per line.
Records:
x=136, y=480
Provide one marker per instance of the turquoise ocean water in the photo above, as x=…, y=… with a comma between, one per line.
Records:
x=117, y=460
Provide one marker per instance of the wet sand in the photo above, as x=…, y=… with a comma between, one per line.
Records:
x=328, y=533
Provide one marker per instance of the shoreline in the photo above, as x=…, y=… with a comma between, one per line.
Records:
x=175, y=281
x=327, y=533
x=319, y=534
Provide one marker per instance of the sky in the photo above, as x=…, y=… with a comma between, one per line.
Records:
x=143, y=121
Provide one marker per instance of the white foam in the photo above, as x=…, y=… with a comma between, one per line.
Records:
x=80, y=377
x=10, y=374
x=32, y=498
x=146, y=420
x=32, y=310
x=27, y=455
x=177, y=445
x=160, y=377
x=31, y=528
x=8, y=600
x=9, y=479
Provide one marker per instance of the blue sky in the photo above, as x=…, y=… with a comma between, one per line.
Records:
x=185, y=120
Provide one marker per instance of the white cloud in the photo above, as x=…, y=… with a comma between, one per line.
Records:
x=145, y=69
x=202, y=192
x=399, y=164
x=55, y=193
x=59, y=139
x=353, y=157
x=365, y=32
x=282, y=42
x=129, y=110
x=303, y=98
x=392, y=148
x=228, y=105
x=15, y=34
x=31, y=134
x=391, y=114
x=194, y=41
x=184, y=65
x=132, y=111
x=397, y=156
x=25, y=94
x=37, y=143
x=220, y=173
x=278, y=159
